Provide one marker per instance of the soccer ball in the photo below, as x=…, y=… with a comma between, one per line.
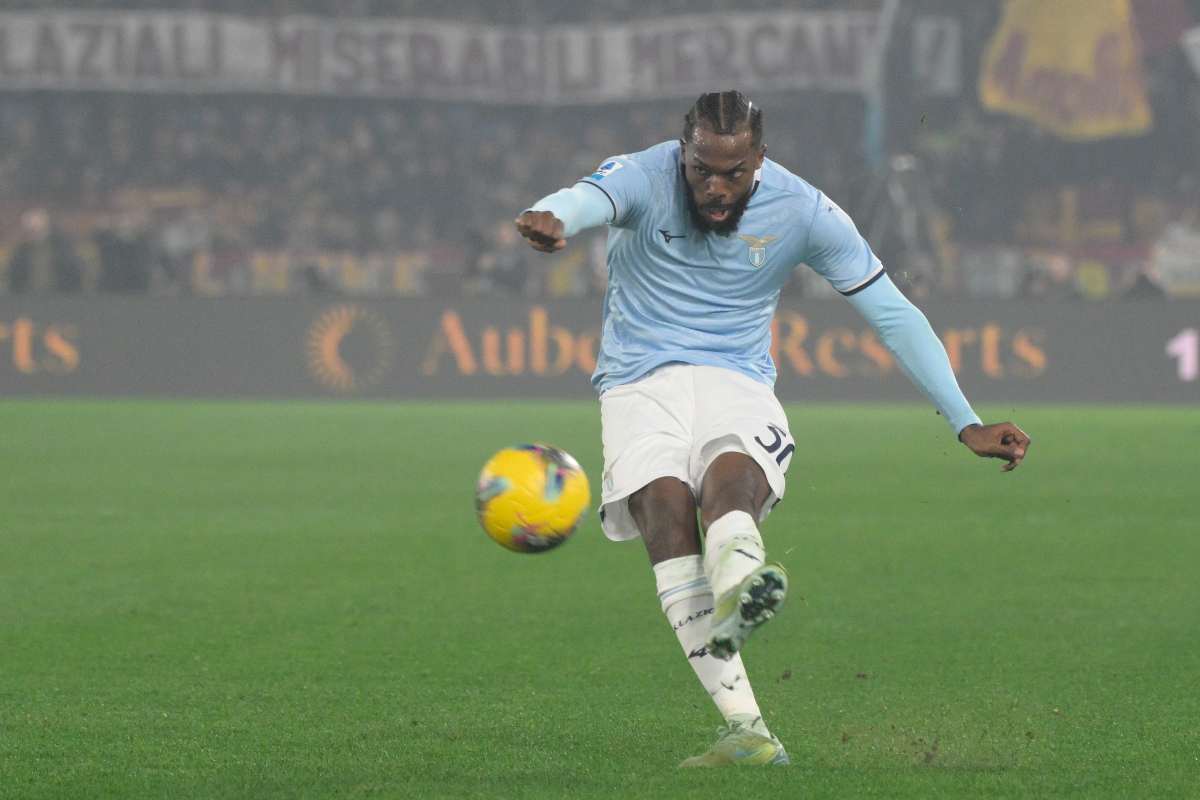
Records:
x=531, y=497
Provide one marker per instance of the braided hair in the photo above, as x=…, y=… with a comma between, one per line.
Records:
x=724, y=112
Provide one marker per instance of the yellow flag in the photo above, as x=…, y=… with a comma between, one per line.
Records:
x=1072, y=66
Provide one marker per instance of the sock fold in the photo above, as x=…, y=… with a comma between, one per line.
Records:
x=732, y=548
x=679, y=579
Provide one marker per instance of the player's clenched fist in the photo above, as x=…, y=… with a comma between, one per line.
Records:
x=1002, y=440
x=543, y=230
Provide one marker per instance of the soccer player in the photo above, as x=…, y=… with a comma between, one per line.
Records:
x=703, y=234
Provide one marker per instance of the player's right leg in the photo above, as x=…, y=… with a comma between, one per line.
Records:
x=646, y=492
x=665, y=513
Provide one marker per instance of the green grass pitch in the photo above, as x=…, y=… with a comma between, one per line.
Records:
x=293, y=600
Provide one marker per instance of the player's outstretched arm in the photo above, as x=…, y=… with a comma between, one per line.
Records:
x=907, y=334
x=557, y=217
x=837, y=251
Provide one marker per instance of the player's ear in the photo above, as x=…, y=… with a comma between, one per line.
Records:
x=762, y=153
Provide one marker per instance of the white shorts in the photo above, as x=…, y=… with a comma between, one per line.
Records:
x=674, y=422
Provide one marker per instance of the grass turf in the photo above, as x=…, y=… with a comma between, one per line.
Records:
x=256, y=600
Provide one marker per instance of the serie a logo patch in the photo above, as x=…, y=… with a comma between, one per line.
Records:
x=607, y=168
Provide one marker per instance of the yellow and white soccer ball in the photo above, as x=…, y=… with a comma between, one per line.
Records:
x=531, y=497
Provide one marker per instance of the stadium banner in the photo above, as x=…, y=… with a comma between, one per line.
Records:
x=487, y=348
x=587, y=63
x=1071, y=66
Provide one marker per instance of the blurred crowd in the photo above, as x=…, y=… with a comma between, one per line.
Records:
x=271, y=194
x=418, y=195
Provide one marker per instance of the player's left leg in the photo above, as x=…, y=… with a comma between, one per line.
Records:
x=734, y=492
x=748, y=590
x=740, y=456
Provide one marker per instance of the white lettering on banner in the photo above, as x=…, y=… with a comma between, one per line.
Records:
x=587, y=63
x=111, y=50
x=1185, y=349
x=937, y=55
x=1191, y=44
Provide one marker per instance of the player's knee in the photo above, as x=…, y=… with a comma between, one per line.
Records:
x=665, y=502
x=734, y=482
x=665, y=513
x=721, y=503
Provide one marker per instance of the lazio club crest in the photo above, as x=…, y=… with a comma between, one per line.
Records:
x=758, y=248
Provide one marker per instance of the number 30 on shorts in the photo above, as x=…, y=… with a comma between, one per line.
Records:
x=779, y=443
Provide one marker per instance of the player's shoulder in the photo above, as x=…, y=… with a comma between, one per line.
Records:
x=781, y=181
x=659, y=158
x=646, y=173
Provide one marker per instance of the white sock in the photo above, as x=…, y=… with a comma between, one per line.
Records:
x=688, y=603
x=732, y=547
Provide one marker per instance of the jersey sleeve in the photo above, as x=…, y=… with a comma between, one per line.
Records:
x=579, y=207
x=906, y=333
x=837, y=251
x=625, y=184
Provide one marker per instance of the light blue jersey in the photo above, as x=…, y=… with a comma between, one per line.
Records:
x=677, y=294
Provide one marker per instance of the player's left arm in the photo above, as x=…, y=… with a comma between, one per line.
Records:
x=907, y=334
x=837, y=251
